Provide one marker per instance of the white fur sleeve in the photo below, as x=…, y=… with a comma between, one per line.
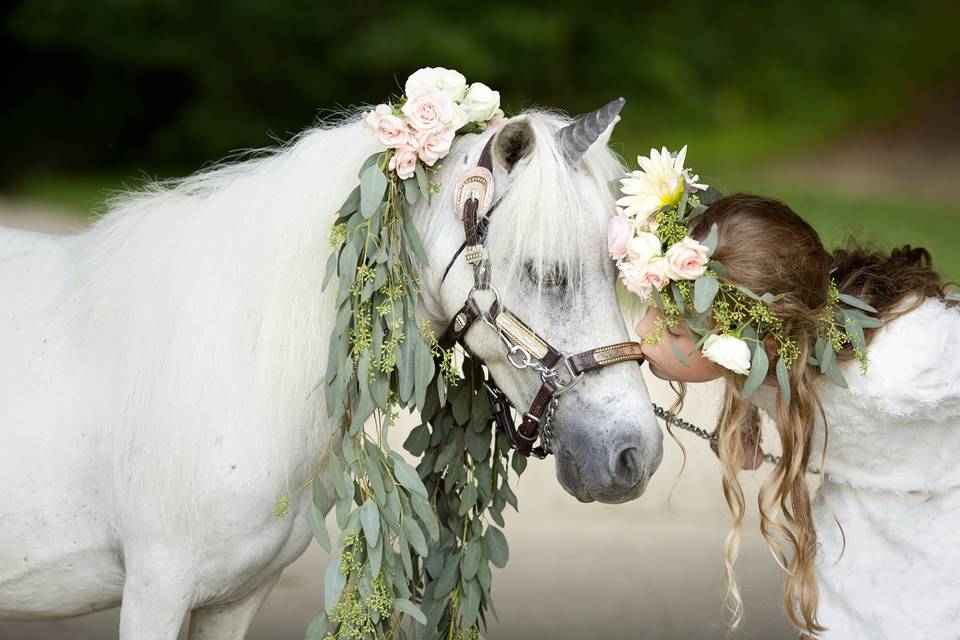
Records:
x=914, y=365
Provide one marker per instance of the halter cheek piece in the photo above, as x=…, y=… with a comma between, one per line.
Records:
x=558, y=371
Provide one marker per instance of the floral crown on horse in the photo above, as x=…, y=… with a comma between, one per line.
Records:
x=660, y=263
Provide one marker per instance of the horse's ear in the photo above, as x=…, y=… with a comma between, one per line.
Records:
x=513, y=144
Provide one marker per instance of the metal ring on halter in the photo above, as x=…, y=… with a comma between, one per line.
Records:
x=527, y=358
x=565, y=385
x=496, y=303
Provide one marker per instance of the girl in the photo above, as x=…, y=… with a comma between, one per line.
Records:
x=874, y=554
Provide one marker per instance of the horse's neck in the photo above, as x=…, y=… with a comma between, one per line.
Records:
x=223, y=331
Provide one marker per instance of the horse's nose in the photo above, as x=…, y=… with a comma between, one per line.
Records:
x=626, y=466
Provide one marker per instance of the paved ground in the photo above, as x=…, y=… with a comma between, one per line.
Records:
x=641, y=570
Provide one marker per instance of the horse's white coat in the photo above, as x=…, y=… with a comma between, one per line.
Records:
x=158, y=373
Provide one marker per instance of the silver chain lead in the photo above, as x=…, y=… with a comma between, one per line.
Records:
x=679, y=423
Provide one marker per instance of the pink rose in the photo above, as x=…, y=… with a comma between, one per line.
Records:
x=632, y=276
x=619, y=233
x=404, y=161
x=430, y=111
x=372, y=118
x=655, y=273
x=393, y=132
x=687, y=259
x=433, y=145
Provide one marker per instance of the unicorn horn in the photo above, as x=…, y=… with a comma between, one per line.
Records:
x=575, y=138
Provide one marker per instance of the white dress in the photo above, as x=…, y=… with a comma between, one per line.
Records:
x=892, y=478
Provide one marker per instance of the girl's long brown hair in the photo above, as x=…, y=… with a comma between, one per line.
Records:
x=764, y=246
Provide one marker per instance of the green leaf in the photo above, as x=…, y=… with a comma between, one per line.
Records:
x=330, y=269
x=418, y=440
x=470, y=605
x=836, y=376
x=471, y=560
x=352, y=203
x=422, y=181
x=758, y=370
x=405, y=606
x=478, y=444
x=317, y=628
x=428, y=517
x=321, y=500
x=370, y=520
x=468, y=498
x=827, y=359
x=407, y=476
x=448, y=577
x=375, y=556
x=414, y=536
x=853, y=301
x=373, y=187
x=424, y=371
x=319, y=529
x=413, y=238
x=705, y=288
x=412, y=190
x=865, y=321
x=783, y=379
x=333, y=584
x=710, y=242
x=495, y=544
x=519, y=463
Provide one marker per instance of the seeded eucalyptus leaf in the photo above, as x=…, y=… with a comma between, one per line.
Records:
x=418, y=440
x=759, y=366
x=705, y=289
x=676, y=352
x=407, y=476
x=426, y=514
x=317, y=628
x=827, y=359
x=424, y=371
x=865, y=321
x=411, y=190
x=853, y=301
x=370, y=519
x=352, y=203
x=448, y=577
x=321, y=499
x=373, y=187
x=333, y=584
x=422, y=181
x=405, y=606
x=319, y=529
x=834, y=373
x=478, y=444
x=330, y=269
x=414, y=536
x=471, y=560
x=375, y=555
x=412, y=236
x=468, y=498
x=768, y=298
x=495, y=544
x=783, y=380
x=710, y=242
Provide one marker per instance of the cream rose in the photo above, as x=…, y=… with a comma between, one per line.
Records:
x=430, y=111
x=728, y=351
x=372, y=117
x=619, y=233
x=655, y=273
x=447, y=81
x=632, y=276
x=643, y=247
x=404, y=161
x=481, y=102
x=393, y=132
x=433, y=145
x=687, y=259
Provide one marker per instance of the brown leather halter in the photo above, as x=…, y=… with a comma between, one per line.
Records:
x=526, y=349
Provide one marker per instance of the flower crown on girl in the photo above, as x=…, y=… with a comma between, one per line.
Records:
x=659, y=262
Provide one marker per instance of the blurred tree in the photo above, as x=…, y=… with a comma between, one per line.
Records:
x=172, y=83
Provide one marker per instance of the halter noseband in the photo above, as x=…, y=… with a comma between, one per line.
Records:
x=525, y=348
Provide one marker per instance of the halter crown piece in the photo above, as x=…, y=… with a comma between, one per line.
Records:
x=662, y=265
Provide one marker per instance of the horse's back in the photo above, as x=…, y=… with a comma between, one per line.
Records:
x=52, y=527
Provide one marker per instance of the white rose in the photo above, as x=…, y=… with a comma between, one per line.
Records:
x=656, y=273
x=447, y=81
x=481, y=102
x=643, y=247
x=728, y=351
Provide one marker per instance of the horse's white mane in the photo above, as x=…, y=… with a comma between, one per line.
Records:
x=199, y=301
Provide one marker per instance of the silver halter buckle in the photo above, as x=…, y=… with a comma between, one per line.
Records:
x=476, y=183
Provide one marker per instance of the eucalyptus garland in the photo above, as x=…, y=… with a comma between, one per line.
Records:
x=416, y=544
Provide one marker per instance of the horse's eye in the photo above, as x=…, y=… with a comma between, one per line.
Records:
x=552, y=277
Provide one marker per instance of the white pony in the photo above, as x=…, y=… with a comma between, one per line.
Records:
x=159, y=373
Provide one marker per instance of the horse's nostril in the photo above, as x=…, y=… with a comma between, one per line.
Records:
x=627, y=466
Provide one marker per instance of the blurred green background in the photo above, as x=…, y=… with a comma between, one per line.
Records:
x=844, y=109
